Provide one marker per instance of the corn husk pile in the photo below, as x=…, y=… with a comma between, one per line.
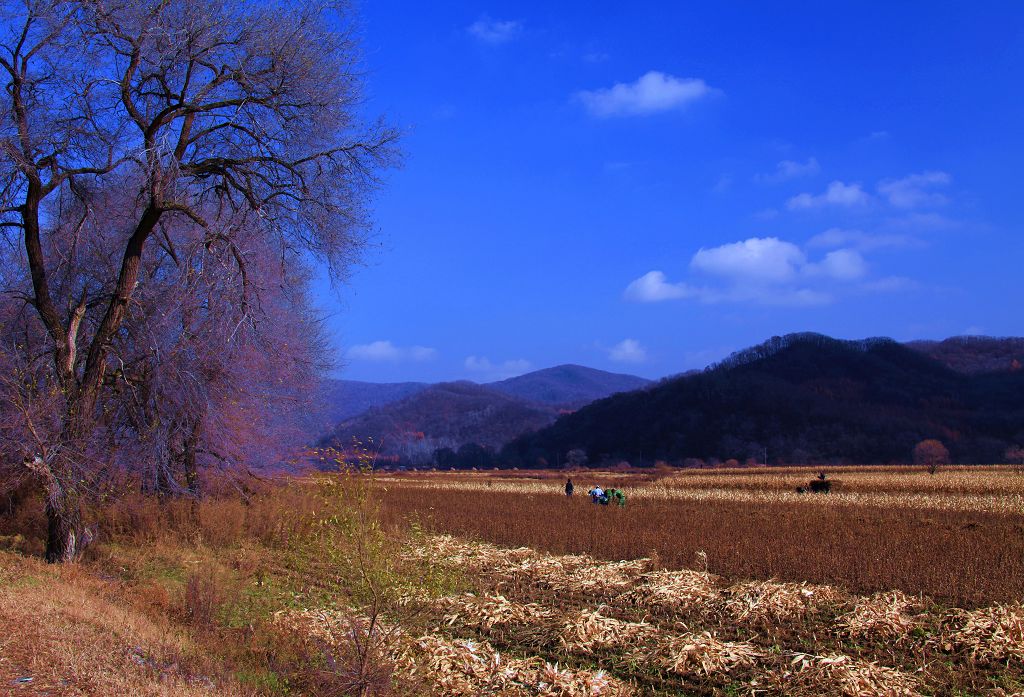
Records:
x=700, y=654
x=990, y=634
x=588, y=632
x=885, y=615
x=453, y=667
x=475, y=668
x=837, y=674
x=543, y=570
x=772, y=600
x=575, y=573
x=474, y=557
x=529, y=622
x=674, y=590
x=336, y=627
x=606, y=577
x=579, y=573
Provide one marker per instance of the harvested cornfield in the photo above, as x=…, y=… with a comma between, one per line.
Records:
x=642, y=630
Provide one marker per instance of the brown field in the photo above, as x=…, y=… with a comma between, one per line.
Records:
x=350, y=586
x=957, y=536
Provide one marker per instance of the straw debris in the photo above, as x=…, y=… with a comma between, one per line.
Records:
x=774, y=601
x=990, y=634
x=837, y=674
x=701, y=654
x=674, y=590
x=588, y=632
x=884, y=615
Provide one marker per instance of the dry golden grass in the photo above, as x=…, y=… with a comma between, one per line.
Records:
x=66, y=630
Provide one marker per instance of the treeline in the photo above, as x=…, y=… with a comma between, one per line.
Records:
x=799, y=399
x=169, y=171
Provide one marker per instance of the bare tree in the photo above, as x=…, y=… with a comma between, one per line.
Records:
x=215, y=115
x=931, y=453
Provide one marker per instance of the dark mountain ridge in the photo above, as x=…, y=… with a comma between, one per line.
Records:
x=445, y=415
x=414, y=418
x=804, y=398
x=567, y=385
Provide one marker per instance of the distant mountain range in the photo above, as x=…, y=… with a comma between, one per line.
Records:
x=412, y=420
x=808, y=398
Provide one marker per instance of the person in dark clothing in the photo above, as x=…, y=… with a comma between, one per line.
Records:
x=569, y=487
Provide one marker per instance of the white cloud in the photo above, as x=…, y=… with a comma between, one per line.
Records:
x=653, y=287
x=790, y=169
x=764, y=271
x=841, y=265
x=890, y=284
x=628, y=351
x=920, y=222
x=652, y=93
x=493, y=31
x=756, y=259
x=483, y=366
x=915, y=190
x=837, y=194
x=385, y=351
x=837, y=237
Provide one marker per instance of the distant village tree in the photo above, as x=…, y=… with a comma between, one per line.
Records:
x=209, y=117
x=576, y=458
x=931, y=453
x=1015, y=453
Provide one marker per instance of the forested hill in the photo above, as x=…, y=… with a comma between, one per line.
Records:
x=804, y=397
x=567, y=385
x=975, y=354
x=446, y=415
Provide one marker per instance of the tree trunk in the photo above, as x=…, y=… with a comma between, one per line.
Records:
x=189, y=461
x=64, y=540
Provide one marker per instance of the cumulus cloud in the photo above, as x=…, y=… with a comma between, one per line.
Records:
x=837, y=194
x=385, y=351
x=915, y=190
x=763, y=271
x=654, y=287
x=755, y=259
x=790, y=169
x=652, y=93
x=494, y=31
x=628, y=351
x=506, y=369
x=841, y=264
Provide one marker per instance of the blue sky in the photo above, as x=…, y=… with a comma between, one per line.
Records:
x=647, y=187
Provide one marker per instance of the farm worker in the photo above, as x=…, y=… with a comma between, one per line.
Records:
x=620, y=498
x=569, y=487
x=596, y=494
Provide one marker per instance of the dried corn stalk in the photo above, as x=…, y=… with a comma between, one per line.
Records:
x=885, y=615
x=772, y=600
x=700, y=654
x=674, y=590
x=842, y=675
x=591, y=631
x=475, y=668
x=989, y=634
